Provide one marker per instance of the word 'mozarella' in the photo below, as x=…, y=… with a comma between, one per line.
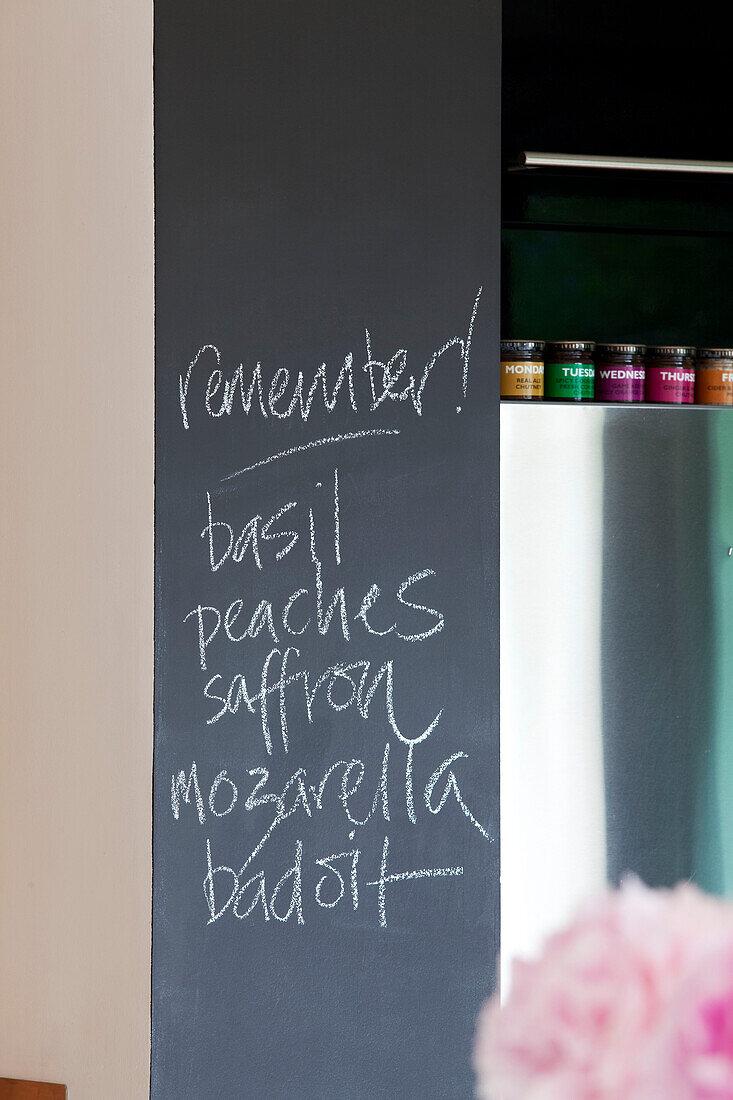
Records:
x=284, y=394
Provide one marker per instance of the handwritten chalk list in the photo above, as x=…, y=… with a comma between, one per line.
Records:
x=283, y=689
x=326, y=756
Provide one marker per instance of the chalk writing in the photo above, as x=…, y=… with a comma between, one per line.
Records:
x=263, y=679
x=247, y=390
x=219, y=901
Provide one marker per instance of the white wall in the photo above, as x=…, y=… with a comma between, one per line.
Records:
x=76, y=508
x=553, y=816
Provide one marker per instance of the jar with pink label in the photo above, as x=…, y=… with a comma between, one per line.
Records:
x=670, y=375
x=620, y=372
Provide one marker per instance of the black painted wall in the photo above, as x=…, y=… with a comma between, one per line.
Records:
x=322, y=170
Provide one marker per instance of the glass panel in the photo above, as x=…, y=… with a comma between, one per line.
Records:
x=617, y=648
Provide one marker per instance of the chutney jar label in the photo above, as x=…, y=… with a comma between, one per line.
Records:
x=670, y=385
x=620, y=383
x=522, y=379
x=569, y=381
x=714, y=386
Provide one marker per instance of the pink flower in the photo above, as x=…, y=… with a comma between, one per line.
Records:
x=692, y=1057
x=581, y=1020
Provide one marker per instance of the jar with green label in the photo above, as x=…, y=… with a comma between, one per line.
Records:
x=569, y=370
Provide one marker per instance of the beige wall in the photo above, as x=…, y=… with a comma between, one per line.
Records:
x=76, y=408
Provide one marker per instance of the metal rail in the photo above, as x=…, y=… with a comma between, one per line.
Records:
x=637, y=164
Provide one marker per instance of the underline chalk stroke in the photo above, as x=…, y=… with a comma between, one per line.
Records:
x=310, y=446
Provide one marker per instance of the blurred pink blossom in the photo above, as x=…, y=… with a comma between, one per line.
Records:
x=617, y=1006
x=692, y=1055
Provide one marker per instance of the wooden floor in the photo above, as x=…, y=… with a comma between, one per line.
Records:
x=30, y=1090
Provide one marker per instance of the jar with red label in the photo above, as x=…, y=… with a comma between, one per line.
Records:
x=714, y=376
x=670, y=375
x=620, y=372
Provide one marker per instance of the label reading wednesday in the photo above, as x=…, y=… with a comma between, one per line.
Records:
x=284, y=690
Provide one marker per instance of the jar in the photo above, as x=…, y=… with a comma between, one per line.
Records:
x=670, y=375
x=620, y=372
x=569, y=370
x=714, y=376
x=522, y=370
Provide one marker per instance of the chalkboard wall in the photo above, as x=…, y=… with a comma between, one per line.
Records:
x=325, y=914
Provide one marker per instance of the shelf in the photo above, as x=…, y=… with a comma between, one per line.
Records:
x=631, y=230
x=530, y=161
x=612, y=405
x=635, y=203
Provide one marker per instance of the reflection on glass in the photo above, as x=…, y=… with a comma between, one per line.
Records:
x=617, y=646
x=714, y=837
x=553, y=829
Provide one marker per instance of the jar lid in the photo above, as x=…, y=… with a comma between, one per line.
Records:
x=715, y=353
x=582, y=347
x=523, y=345
x=664, y=351
x=620, y=349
